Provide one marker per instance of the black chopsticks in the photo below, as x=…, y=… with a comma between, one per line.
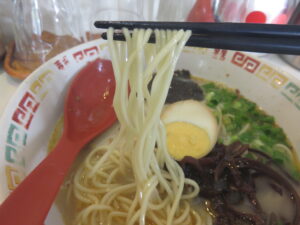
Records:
x=269, y=38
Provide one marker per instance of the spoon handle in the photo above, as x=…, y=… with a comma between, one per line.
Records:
x=30, y=202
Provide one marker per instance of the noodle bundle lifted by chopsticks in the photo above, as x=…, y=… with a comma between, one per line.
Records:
x=131, y=178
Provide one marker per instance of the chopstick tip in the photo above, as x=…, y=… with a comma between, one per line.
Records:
x=104, y=36
x=103, y=23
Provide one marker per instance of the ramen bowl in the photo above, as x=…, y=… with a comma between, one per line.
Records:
x=32, y=113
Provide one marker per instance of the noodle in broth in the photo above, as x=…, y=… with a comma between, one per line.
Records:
x=131, y=178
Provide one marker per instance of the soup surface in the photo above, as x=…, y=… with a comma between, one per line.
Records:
x=248, y=131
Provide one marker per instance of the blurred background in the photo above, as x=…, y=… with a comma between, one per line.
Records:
x=33, y=31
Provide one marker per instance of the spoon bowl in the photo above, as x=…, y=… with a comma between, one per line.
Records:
x=88, y=109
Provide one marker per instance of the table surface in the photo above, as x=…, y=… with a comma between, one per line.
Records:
x=9, y=85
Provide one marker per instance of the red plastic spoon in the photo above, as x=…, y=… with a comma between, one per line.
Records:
x=88, y=112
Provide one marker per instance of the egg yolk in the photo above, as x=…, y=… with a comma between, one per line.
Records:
x=186, y=139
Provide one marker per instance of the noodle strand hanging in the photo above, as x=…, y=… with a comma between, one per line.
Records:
x=131, y=178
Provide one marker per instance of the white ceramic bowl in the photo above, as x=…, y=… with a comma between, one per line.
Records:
x=30, y=116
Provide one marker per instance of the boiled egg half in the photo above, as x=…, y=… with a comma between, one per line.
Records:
x=192, y=129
